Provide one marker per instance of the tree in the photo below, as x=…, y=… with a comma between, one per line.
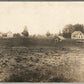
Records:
x=67, y=31
x=25, y=32
x=48, y=34
x=79, y=27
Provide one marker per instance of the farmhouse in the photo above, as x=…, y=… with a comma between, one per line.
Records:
x=77, y=35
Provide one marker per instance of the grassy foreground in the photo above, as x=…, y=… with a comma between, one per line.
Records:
x=62, y=62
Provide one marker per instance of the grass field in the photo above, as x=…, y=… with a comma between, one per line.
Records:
x=60, y=62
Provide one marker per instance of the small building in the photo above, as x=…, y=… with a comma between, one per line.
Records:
x=1, y=34
x=77, y=35
x=9, y=34
x=59, y=38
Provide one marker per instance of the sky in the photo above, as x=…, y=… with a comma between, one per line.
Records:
x=39, y=17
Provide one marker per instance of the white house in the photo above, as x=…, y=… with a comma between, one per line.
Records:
x=77, y=35
x=9, y=34
x=0, y=34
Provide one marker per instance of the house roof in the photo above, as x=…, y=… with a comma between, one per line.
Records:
x=61, y=37
x=77, y=32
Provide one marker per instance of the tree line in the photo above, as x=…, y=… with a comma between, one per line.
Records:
x=66, y=32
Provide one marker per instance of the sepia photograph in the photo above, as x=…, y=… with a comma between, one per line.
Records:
x=42, y=41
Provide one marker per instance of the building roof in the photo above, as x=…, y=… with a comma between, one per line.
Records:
x=77, y=32
x=61, y=37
